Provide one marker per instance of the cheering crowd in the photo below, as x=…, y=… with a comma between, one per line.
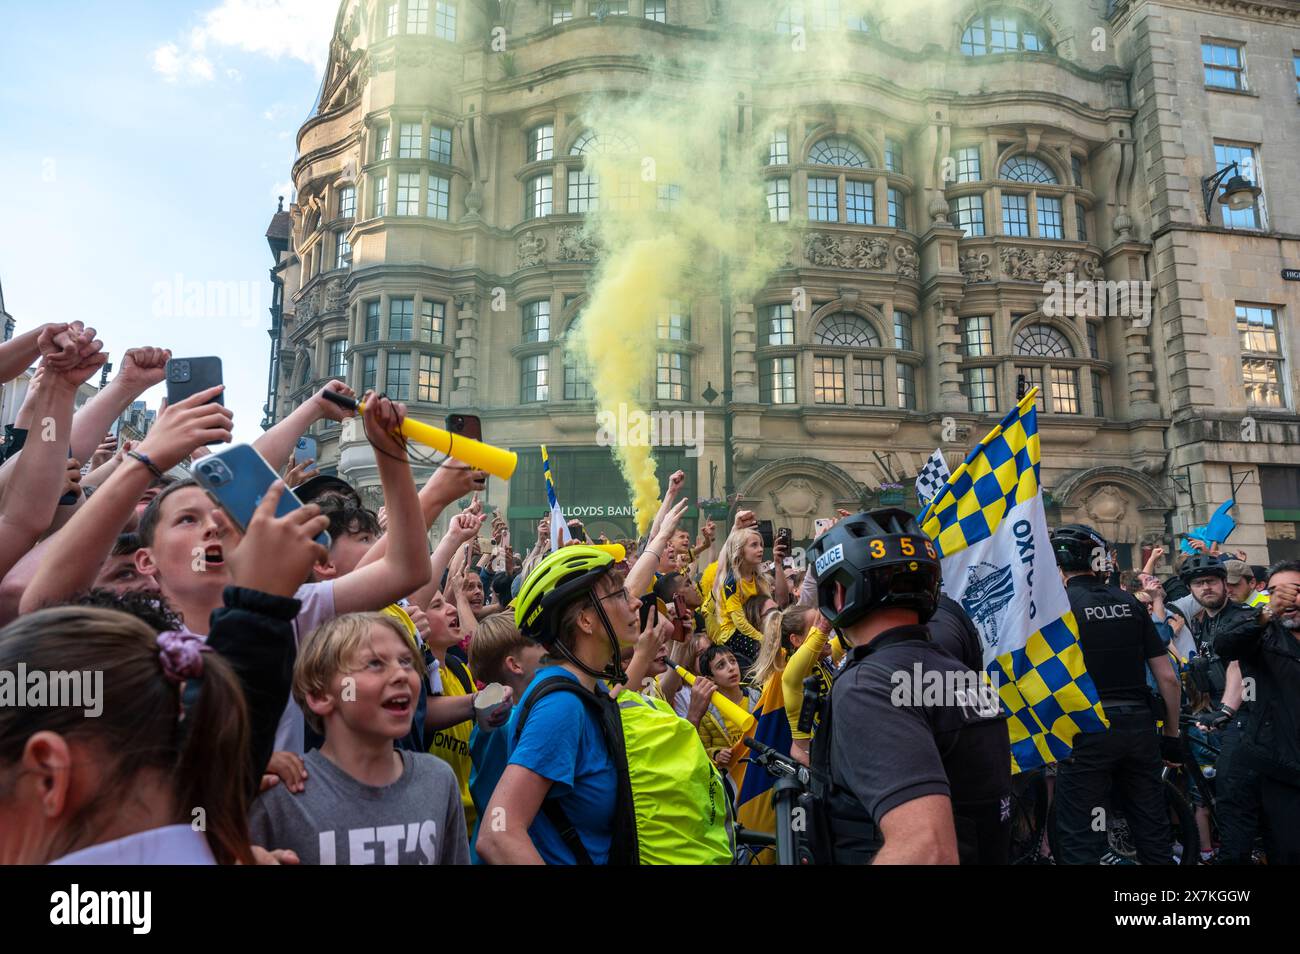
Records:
x=269, y=698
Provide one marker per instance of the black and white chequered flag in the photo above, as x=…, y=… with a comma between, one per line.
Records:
x=931, y=478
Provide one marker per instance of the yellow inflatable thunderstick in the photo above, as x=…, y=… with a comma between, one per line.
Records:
x=480, y=456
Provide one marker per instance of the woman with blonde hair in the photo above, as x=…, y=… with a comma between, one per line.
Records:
x=736, y=580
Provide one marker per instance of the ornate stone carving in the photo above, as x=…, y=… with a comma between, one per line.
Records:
x=975, y=267
x=798, y=501
x=309, y=306
x=938, y=210
x=866, y=253
x=1123, y=225
x=576, y=246
x=531, y=249
x=1107, y=505
x=906, y=259
x=335, y=296
x=1036, y=265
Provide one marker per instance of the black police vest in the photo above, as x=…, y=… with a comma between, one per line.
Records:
x=854, y=838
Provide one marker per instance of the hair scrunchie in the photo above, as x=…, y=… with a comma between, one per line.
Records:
x=181, y=655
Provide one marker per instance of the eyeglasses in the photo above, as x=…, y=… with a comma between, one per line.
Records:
x=624, y=592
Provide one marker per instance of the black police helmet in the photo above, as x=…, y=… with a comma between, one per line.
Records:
x=1078, y=548
x=1202, y=564
x=882, y=559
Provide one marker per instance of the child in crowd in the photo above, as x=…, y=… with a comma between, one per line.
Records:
x=119, y=787
x=501, y=654
x=718, y=733
x=357, y=680
x=736, y=580
x=452, y=679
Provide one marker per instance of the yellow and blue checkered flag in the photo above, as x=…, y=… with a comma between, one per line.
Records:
x=990, y=529
x=559, y=527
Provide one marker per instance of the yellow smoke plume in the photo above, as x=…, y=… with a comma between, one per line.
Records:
x=679, y=192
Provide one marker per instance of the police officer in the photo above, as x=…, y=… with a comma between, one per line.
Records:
x=916, y=765
x=1236, y=781
x=1119, y=641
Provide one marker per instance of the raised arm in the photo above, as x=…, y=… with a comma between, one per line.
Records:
x=20, y=353
x=141, y=369
x=674, y=487
x=77, y=551
x=463, y=526
x=642, y=574
x=31, y=495
x=404, y=567
x=450, y=482
x=277, y=444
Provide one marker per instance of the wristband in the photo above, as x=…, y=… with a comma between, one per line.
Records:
x=1227, y=710
x=144, y=459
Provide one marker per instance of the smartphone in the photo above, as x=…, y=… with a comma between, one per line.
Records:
x=237, y=478
x=821, y=525
x=578, y=531
x=186, y=376
x=684, y=613
x=764, y=529
x=784, y=535
x=305, y=449
x=466, y=425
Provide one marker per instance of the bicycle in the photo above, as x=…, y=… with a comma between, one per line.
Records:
x=791, y=793
x=1031, y=794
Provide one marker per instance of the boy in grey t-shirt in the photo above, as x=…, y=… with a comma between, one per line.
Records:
x=337, y=820
x=363, y=802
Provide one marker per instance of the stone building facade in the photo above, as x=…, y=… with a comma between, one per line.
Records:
x=935, y=195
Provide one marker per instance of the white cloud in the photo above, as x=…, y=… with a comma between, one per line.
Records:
x=297, y=29
x=174, y=64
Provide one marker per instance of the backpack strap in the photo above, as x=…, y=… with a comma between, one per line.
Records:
x=461, y=672
x=623, y=844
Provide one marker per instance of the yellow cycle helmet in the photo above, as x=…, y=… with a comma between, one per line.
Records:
x=560, y=578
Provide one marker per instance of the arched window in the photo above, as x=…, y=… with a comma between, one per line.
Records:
x=822, y=15
x=1028, y=169
x=1042, y=341
x=1058, y=386
x=838, y=151
x=1004, y=31
x=589, y=142
x=845, y=330
x=584, y=185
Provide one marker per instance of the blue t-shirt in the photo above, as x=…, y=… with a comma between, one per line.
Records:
x=563, y=742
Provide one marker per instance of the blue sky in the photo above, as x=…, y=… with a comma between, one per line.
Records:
x=143, y=145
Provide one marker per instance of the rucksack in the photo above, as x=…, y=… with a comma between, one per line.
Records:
x=671, y=806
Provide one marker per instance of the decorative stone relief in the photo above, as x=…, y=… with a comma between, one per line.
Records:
x=829, y=251
x=975, y=267
x=907, y=261
x=335, y=296
x=576, y=246
x=1107, y=504
x=798, y=501
x=1036, y=265
x=532, y=250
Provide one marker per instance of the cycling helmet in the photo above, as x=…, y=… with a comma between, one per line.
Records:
x=1202, y=564
x=881, y=559
x=1079, y=549
x=568, y=574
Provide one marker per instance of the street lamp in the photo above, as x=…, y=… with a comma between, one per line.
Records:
x=1238, y=194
